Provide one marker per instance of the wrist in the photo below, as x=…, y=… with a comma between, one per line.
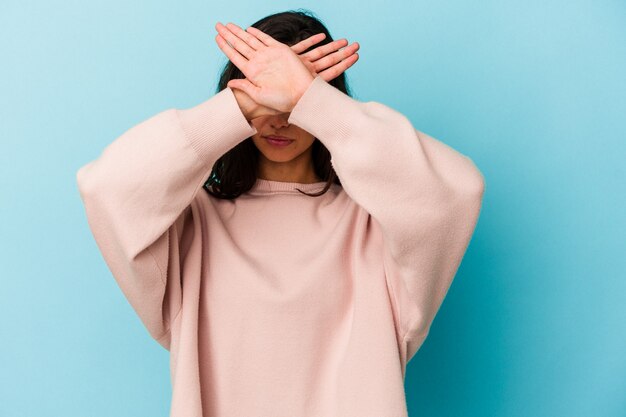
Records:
x=302, y=88
x=246, y=106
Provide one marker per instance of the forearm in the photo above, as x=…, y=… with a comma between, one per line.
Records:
x=425, y=195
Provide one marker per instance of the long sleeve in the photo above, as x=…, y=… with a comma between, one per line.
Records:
x=137, y=197
x=425, y=196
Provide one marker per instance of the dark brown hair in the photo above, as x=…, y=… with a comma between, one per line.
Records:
x=235, y=172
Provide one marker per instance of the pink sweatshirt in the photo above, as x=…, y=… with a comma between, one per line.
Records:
x=277, y=304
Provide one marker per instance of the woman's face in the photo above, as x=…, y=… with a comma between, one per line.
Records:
x=297, y=151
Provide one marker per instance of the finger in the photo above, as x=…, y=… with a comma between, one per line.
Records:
x=262, y=36
x=335, y=57
x=237, y=43
x=324, y=50
x=308, y=42
x=246, y=86
x=339, y=68
x=235, y=57
x=248, y=38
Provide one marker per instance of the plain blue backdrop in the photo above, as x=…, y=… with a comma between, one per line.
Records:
x=533, y=91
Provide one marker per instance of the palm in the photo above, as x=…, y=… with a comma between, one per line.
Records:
x=248, y=102
x=277, y=75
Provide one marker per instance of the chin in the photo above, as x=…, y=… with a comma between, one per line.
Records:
x=270, y=156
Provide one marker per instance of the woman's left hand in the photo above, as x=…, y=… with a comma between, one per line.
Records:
x=329, y=60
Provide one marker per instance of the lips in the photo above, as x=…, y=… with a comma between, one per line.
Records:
x=278, y=141
x=277, y=137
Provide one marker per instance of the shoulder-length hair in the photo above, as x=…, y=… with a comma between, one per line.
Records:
x=235, y=172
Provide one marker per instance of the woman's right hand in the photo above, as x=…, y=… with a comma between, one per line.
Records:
x=327, y=61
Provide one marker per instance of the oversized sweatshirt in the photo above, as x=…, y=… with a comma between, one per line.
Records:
x=279, y=304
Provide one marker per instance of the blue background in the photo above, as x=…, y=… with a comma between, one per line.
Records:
x=534, y=92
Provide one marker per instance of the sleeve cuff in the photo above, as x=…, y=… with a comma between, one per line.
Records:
x=327, y=113
x=216, y=125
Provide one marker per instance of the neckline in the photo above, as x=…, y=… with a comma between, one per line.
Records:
x=263, y=186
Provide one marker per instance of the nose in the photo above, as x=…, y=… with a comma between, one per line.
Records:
x=280, y=120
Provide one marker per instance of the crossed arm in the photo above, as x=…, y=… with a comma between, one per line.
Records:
x=276, y=74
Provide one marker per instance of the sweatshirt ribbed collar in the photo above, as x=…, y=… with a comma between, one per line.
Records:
x=263, y=186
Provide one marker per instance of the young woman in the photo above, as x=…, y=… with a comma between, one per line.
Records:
x=292, y=277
